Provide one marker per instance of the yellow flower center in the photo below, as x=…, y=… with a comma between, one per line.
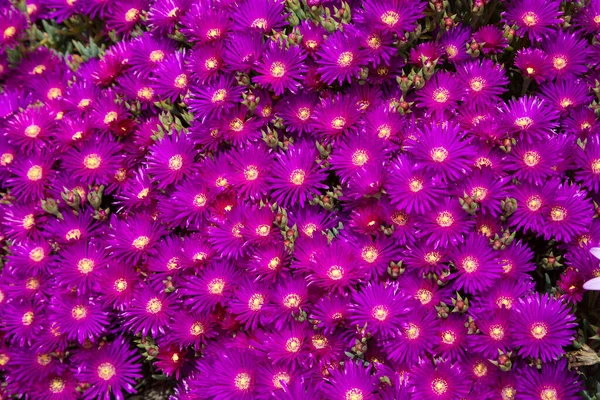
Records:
x=34, y=173
x=27, y=318
x=311, y=44
x=173, y=263
x=425, y=296
x=236, y=125
x=335, y=272
x=120, y=285
x=384, y=131
x=559, y=62
x=470, y=264
x=263, y=230
x=345, y=59
x=531, y=158
x=216, y=286
x=242, y=381
x=32, y=284
x=309, y=228
x=256, y=302
x=433, y=257
x=173, y=12
x=297, y=177
x=292, y=300
x=43, y=359
x=211, y=63
x=534, y=202
x=9, y=32
x=175, y=162
x=380, y=312
x=451, y=51
x=448, y=337
x=37, y=254
x=143, y=193
x=480, y=369
x=596, y=166
x=549, y=393
x=106, y=371
x=86, y=265
x=157, y=56
x=84, y=103
x=154, y=305
x=277, y=69
x=197, y=329
x=92, y=161
x=374, y=41
x=438, y=154
x=566, y=102
x=523, y=122
x=79, y=312
x=370, y=254
x=32, y=131
x=415, y=185
x=146, y=93
x=530, y=18
x=504, y=301
x=399, y=218
x=439, y=386
x=445, y=219
x=251, y=172
x=479, y=192
x=293, y=345
x=440, y=95
x=213, y=33
x=260, y=23
x=236, y=231
x=278, y=377
x=539, y=330
x=110, y=117
x=181, y=81
x=219, y=96
x=558, y=213
x=496, y=332
x=477, y=84
x=57, y=385
x=354, y=394
x=6, y=159
x=141, y=242
x=200, y=200
x=28, y=221
x=390, y=18
x=508, y=393
x=412, y=332
x=360, y=158
x=54, y=93
x=338, y=123
x=132, y=14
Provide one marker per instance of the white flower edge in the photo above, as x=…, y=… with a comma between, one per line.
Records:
x=593, y=284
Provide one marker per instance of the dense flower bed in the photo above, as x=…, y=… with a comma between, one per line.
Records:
x=315, y=199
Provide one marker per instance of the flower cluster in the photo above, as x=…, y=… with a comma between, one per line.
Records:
x=301, y=199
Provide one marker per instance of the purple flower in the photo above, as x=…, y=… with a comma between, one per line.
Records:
x=534, y=18
x=340, y=59
x=441, y=93
x=171, y=159
x=476, y=264
x=111, y=369
x=296, y=175
x=353, y=381
x=442, y=381
x=554, y=380
x=149, y=311
x=542, y=326
x=280, y=69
